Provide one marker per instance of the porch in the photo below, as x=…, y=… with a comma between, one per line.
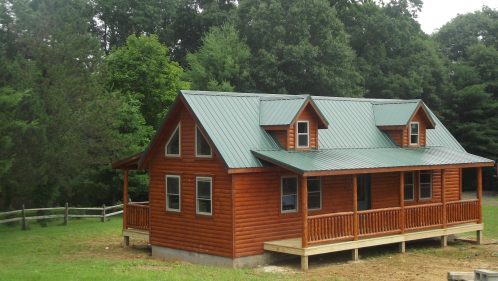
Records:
x=333, y=232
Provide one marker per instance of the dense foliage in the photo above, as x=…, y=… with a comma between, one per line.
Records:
x=83, y=83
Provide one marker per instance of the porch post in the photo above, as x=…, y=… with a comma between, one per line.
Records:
x=443, y=197
x=402, y=201
x=479, y=191
x=125, y=196
x=355, y=207
x=304, y=210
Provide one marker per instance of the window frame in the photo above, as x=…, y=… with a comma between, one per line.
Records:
x=412, y=184
x=417, y=134
x=295, y=210
x=197, y=178
x=420, y=185
x=301, y=134
x=319, y=179
x=169, y=209
x=177, y=128
x=198, y=129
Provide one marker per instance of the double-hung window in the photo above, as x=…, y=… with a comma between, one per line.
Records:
x=173, y=193
x=414, y=133
x=289, y=194
x=425, y=185
x=409, y=186
x=303, y=134
x=204, y=193
x=314, y=193
x=202, y=147
x=173, y=143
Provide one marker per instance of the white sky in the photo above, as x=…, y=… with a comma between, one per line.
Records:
x=435, y=13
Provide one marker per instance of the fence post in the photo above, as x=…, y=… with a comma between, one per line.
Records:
x=103, y=213
x=23, y=223
x=66, y=213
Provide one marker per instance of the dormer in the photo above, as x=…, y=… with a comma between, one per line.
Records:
x=405, y=122
x=293, y=121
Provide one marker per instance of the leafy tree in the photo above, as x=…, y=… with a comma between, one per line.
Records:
x=221, y=63
x=142, y=70
x=298, y=47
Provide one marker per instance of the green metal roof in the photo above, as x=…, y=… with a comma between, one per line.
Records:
x=280, y=111
x=369, y=158
x=395, y=113
x=233, y=123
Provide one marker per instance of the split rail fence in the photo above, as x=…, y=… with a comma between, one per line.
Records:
x=24, y=215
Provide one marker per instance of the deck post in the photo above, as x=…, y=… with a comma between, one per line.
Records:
x=402, y=247
x=304, y=210
x=304, y=263
x=402, y=202
x=125, y=196
x=444, y=241
x=479, y=191
x=443, y=198
x=355, y=254
x=479, y=237
x=355, y=207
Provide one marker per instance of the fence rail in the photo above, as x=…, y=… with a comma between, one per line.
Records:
x=98, y=212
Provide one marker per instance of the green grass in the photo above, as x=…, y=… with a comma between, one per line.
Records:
x=78, y=252
x=490, y=219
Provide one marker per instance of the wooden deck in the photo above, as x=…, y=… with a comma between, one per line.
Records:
x=294, y=246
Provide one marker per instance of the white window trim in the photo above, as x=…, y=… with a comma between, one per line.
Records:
x=179, y=193
x=413, y=187
x=307, y=134
x=210, y=179
x=320, y=192
x=282, y=194
x=418, y=133
x=197, y=129
x=178, y=127
x=420, y=185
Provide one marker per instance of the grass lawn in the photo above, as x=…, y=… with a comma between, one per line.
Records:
x=91, y=250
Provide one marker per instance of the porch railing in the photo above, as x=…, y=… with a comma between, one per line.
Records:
x=340, y=226
x=137, y=215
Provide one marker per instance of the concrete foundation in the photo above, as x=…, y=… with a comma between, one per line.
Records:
x=207, y=259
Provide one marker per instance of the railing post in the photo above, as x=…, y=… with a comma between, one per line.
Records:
x=304, y=210
x=402, y=201
x=479, y=191
x=23, y=221
x=355, y=207
x=102, y=219
x=125, y=197
x=443, y=197
x=66, y=213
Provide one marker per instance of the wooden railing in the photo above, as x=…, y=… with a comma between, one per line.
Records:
x=379, y=221
x=462, y=211
x=137, y=215
x=340, y=226
x=423, y=216
x=329, y=227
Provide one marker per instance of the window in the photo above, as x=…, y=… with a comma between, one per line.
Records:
x=409, y=186
x=425, y=185
x=289, y=194
x=303, y=133
x=414, y=133
x=173, y=201
x=314, y=193
x=173, y=144
x=204, y=195
x=202, y=147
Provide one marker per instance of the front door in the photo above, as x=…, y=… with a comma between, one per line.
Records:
x=363, y=192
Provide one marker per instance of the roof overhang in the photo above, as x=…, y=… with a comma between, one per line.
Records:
x=362, y=161
x=128, y=163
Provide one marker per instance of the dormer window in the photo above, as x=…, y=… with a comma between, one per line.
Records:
x=173, y=144
x=303, y=134
x=414, y=133
x=202, y=147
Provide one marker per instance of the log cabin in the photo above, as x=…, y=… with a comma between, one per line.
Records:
x=242, y=179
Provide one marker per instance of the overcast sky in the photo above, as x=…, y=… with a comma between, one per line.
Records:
x=435, y=13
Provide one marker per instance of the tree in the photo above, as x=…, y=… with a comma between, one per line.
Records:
x=298, y=47
x=142, y=70
x=221, y=63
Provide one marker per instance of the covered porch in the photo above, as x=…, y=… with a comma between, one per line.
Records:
x=136, y=222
